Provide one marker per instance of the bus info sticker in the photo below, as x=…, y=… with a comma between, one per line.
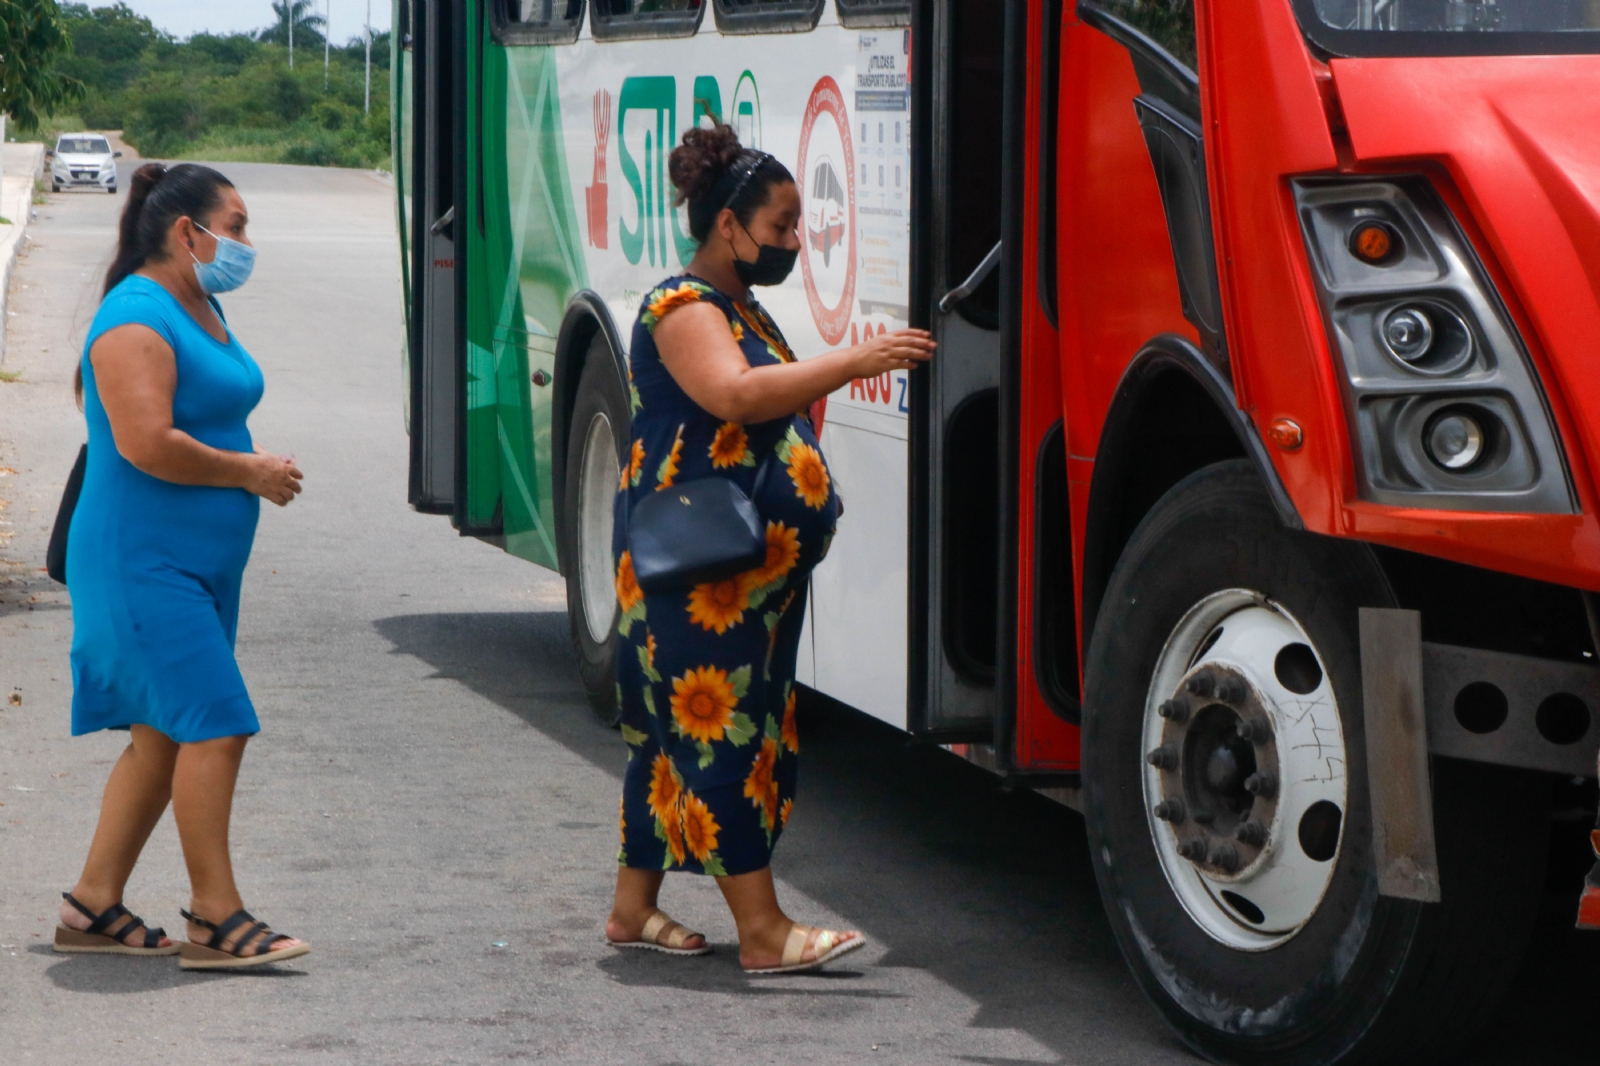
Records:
x=827, y=168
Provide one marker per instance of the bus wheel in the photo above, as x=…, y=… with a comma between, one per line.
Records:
x=1225, y=795
x=594, y=466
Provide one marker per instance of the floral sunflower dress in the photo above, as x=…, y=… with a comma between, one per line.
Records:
x=705, y=676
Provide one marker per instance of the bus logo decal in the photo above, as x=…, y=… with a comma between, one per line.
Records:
x=653, y=216
x=595, y=195
x=829, y=192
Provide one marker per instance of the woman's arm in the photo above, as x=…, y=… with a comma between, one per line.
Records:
x=136, y=375
x=707, y=363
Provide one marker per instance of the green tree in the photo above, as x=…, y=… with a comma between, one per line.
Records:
x=307, y=24
x=32, y=39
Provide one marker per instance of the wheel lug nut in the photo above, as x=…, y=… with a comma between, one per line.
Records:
x=1225, y=857
x=1193, y=850
x=1175, y=711
x=1171, y=810
x=1163, y=758
x=1263, y=783
x=1255, y=730
x=1204, y=817
x=1252, y=833
x=1200, y=685
x=1230, y=690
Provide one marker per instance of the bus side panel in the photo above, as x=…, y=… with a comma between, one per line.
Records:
x=1043, y=741
x=842, y=94
x=1118, y=286
x=535, y=266
x=478, y=511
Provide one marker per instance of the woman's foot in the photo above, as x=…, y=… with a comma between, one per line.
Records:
x=792, y=948
x=652, y=928
x=127, y=930
x=238, y=939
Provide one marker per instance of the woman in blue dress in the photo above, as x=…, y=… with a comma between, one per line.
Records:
x=706, y=674
x=155, y=557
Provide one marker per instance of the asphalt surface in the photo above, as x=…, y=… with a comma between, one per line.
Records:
x=433, y=806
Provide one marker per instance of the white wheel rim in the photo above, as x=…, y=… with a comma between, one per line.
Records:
x=1277, y=885
x=596, y=498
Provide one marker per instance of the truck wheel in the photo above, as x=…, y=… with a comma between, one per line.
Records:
x=1225, y=795
x=595, y=445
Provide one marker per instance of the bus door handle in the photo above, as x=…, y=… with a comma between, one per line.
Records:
x=444, y=221
x=974, y=279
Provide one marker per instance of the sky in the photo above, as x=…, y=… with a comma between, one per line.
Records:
x=182, y=18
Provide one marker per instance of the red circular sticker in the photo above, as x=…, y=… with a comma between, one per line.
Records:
x=827, y=165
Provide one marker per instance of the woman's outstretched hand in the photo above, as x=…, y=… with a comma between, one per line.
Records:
x=901, y=350
x=272, y=477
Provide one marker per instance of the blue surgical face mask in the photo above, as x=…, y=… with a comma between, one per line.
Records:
x=228, y=269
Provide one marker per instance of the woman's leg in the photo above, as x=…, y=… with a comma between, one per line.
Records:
x=136, y=795
x=202, y=804
x=635, y=902
x=763, y=927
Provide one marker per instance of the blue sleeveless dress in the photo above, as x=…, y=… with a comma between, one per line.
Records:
x=705, y=676
x=154, y=568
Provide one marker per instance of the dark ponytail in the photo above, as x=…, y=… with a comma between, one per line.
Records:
x=157, y=197
x=712, y=170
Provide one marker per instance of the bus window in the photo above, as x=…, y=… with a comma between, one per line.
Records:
x=616, y=20
x=767, y=16
x=868, y=14
x=1171, y=25
x=535, y=21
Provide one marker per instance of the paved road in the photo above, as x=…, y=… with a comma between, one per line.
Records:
x=433, y=806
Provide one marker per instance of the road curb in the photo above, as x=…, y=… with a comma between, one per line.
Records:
x=23, y=165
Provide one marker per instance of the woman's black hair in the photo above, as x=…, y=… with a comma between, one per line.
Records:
x=712, y=170
x=157, y=197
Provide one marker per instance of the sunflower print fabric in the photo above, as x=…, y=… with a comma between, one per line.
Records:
x=705, y=675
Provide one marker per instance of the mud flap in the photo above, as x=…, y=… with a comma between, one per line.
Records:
x=1397, y=754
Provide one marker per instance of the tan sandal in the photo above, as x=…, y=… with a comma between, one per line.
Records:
x=825, y=944
x=98, y=940
x=664, y=935
x=253, y=947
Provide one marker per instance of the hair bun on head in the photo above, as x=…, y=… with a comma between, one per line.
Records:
x=712, y=170
x=702, y=159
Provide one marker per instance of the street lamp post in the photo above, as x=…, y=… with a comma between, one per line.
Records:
x=367, y=107
x=288, y=21
x=327, y=39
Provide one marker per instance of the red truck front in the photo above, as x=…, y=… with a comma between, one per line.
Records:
x=1335, y=521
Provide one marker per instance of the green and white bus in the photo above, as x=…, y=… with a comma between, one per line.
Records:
x=535, y=212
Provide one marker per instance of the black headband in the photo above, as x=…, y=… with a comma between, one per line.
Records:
x=754, y=159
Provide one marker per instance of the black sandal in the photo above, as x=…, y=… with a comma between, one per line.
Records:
x=96, y=940
x=252, y=948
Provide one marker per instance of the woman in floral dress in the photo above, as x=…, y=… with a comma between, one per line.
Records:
x=706, y=674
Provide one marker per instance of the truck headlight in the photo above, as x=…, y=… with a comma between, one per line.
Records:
x=1444, y=406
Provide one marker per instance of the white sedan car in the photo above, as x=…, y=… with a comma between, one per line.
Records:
x=83, y=160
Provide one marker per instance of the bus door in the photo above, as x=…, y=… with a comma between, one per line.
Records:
x=435, y=339
x=955, y=430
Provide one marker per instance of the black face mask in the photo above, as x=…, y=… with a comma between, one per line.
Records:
x=773, y=265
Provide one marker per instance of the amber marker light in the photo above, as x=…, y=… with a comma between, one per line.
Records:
x=1376, y=243
x=1286, y=434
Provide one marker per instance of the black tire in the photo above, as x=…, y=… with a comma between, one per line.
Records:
x=1368, y=979
x=55, y=186
x=602, y=396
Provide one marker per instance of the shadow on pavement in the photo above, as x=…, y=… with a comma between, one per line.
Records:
x=111, y=975
x=987, y=891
